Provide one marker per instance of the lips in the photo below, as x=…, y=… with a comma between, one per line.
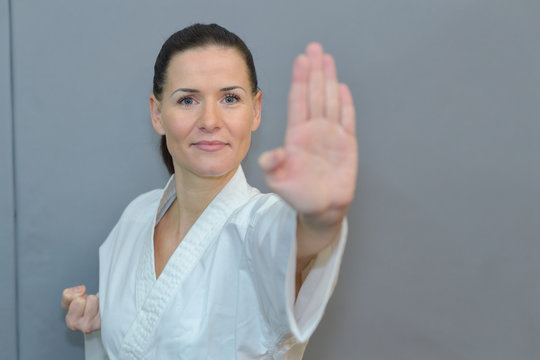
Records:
x=209, y=145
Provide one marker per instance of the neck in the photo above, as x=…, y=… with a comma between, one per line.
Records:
x=196, y=192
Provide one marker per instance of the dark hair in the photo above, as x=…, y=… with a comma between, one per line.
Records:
x=196, y=36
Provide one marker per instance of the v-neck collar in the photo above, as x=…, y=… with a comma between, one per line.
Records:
x=152, y=295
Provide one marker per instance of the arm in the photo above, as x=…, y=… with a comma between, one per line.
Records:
x=315, y=170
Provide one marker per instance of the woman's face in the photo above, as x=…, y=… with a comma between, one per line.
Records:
x=207, y=110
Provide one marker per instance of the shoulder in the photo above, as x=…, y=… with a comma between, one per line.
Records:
x=142, y=206
x=135, y=216
x=261, y=207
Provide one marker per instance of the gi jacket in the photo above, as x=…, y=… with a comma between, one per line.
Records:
x=228, y=290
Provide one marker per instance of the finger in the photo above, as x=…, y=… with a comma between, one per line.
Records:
x=91, y=318
x=332, y=89
x=316, y=81
x=70, y=293
x=76, y=308
x=298, y=94
x=348, y=117
x=271, y=160
x=92, y=306
x=75, y=312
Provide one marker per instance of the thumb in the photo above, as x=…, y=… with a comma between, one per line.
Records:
x=272, y=159
x=71, y=293
x=78, y=290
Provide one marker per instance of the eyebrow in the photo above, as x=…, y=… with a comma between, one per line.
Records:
x=188, y=90
x=232, y=88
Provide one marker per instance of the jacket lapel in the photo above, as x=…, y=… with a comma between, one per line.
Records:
x=153, y=296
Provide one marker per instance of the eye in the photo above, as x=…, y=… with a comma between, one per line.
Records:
x=187, y=101
x=231, y=99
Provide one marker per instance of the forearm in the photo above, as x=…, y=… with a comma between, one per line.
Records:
x=313, y=235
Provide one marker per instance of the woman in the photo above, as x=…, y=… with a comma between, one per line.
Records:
x=208, y=267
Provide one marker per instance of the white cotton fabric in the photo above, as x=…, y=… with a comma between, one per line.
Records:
x=227, y=292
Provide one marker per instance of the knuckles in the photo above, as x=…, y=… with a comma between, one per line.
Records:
x=83, y=324
x=86, y=328
x=89, y=319
x=71, y=324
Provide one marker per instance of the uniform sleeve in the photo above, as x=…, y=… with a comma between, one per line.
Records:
x=93, y=347
x=306, y=313
x=271, y=242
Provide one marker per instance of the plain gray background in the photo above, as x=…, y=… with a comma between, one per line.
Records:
x=442, y=259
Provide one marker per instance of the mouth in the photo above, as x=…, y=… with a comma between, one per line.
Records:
x=210, y=145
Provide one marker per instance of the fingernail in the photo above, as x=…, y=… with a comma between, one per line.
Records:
x=79, y=289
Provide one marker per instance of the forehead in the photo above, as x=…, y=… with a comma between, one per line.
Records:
x=203, y=66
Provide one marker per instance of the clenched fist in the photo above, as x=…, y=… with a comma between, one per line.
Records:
x=82, y=309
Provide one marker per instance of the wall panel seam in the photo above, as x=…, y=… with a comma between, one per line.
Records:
x=14, y=174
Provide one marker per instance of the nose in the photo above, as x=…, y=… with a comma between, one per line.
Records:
x=210, y=118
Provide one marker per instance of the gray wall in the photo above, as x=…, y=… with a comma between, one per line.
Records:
x=8, y=305
x=442, y=257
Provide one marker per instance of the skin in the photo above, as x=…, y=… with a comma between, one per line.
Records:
x=82, y=309
x=314, y=171
x=207, y=97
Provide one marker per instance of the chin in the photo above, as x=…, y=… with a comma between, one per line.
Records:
x=219, y=170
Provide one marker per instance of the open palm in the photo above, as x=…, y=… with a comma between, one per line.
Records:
x=315, y=170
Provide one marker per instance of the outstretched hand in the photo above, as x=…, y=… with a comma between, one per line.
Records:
x=315, y=170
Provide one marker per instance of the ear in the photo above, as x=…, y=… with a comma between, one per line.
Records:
x=155, y=113
x=257, y=109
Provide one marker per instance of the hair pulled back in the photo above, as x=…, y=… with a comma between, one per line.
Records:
x=196, y=36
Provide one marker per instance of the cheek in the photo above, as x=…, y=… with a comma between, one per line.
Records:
x=177, y=127
x=242, y=133
x=244, y=136
x=244, y=124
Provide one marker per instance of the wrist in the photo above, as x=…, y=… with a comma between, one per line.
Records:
x=314, y=234
x=326, y=220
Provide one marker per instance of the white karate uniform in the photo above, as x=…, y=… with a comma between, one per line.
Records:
x=228, y=290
